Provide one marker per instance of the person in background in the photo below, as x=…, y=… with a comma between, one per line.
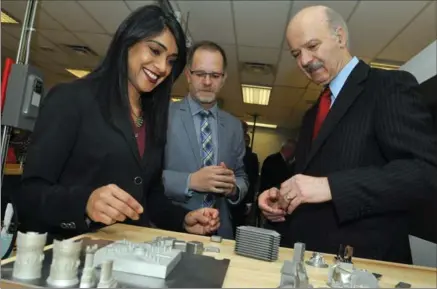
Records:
x=366, y=154
x=278, y=167
x=205, y=149
x=241, y=212
x=96, y=152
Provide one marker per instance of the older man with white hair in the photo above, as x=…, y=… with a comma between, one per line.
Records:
x=367, y=150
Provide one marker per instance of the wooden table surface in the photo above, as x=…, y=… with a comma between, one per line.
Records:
x=251, y=273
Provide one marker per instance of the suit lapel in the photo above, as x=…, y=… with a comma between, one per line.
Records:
x=221, y=137
x=187, y=120
x=121, y=121
x=350, y=91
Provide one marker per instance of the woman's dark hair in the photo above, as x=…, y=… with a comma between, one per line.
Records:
x=145, y=22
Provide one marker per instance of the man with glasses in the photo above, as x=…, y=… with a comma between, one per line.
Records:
x=205, y=145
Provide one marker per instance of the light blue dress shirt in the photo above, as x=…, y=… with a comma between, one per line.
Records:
x=195, y=109
x=338, y=82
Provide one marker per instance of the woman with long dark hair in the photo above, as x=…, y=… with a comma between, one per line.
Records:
x=96, y=152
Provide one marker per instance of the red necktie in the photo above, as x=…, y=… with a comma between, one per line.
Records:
x=324, y=106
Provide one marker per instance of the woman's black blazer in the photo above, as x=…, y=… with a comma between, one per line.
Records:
x=75, y=150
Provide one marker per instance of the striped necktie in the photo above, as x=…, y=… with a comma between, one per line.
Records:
x=207, y=151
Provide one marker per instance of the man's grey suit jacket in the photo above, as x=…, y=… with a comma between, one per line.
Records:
x=182, y=157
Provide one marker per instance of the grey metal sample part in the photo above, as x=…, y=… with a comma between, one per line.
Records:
x=65, y=263
x=193, y=271
x=345, y=254
x=180, y=245
x=343, y=276
x=317, y=260
x=212, y=249
x=293, y=273
x=30, y=256
x=155, y=259
x=258, y=243
x=106, y=278
x=194, y=247
x=403, y=285
x=217, y=239
x=89, y=278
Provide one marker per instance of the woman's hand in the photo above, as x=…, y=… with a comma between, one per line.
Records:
x=202, y=221
x=110, y=204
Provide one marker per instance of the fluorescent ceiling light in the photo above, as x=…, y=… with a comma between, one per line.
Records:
x=8, y=19
x=254, y=94
x=77, y=72
x=384, y=66
x=175, y=99
x=262, y=124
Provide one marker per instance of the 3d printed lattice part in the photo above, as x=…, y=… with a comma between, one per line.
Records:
x=29, y=258
x=65, y=262
x=258, y=243
x=154, y=259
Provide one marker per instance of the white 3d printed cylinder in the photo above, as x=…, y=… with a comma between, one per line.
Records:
x=63, y=270
x=28, y=263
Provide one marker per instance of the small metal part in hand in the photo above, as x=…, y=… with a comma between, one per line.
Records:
x=217, y=239
x=403, y=285
x=212, y=249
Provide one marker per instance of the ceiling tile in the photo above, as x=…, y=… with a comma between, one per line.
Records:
x=311, y=94
x=283, y=96
x=9, y=41
x=258, y=54
x=110, y=14
x=135, y=4
x=420, y=33
x=256, y=79
x=209, y=20
x=267, y=28
x=288, y=74
x=17, y=9
x=99, y=43
x=68, y=14
x=385, y=24
x=61, y=37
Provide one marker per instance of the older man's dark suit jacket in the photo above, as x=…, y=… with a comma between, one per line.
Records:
x=379, y=151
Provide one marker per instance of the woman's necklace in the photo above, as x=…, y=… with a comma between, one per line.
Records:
x=138, y=120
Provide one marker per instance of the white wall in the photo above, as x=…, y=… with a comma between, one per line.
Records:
x=423, y=66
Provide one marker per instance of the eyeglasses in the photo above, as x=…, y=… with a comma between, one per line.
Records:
x=204, y=74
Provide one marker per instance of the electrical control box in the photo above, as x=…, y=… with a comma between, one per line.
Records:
x=24, y=95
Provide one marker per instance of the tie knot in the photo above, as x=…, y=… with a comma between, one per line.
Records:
x=205, y=113
x=326, y=93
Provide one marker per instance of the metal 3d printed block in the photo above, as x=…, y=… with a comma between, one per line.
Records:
x=258, y=243
x=317, y=261
x=293, y=273
x=28, y=263
x=340, y=277
x=65, y=262
x=154, y=259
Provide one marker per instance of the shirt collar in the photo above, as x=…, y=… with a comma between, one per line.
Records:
x=338, y=82
x=195, y=107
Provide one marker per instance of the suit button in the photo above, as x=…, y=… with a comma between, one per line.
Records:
x=138, y=180
x=64, y=226
x=72, y=225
